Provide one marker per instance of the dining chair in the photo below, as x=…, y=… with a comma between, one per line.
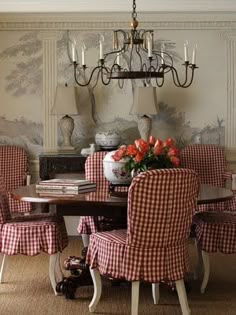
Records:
x=14, y=169
x=215, y=232
x=209, y=162
x=154, y=245
x=95, y=173
x=30, y=235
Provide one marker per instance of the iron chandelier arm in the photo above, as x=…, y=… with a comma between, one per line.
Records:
x=176, y=79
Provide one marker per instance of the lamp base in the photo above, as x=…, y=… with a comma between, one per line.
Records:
x=67, y=126
x=144, y=127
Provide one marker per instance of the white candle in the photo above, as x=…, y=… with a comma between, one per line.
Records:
x=186, y=51
x=149, y=44
x=118, y=59
x=73, y=51
x=162, y=54
x=194, y=55
x=83, y=54
x=101, y=46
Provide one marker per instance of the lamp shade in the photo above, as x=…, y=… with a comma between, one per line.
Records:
x=65, y=101
x=145, y=101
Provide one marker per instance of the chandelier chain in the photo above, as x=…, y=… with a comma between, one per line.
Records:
x=134, y=13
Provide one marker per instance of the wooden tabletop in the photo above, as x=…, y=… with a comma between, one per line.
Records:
x=100, y=203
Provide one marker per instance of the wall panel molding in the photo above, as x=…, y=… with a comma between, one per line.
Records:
x=89, y=21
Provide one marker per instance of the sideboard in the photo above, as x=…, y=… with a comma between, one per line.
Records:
x=51, y=164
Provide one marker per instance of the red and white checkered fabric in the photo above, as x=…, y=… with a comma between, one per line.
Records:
x=13, y=168
x=216, y=231
x=31, y=234
x=95, y=173
x=153, y=248
x=209, y=162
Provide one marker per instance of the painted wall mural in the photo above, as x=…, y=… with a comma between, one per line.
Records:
x=195, y=115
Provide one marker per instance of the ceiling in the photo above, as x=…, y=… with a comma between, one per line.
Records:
x=117, y=5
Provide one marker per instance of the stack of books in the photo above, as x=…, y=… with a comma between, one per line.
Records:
x=65, y=187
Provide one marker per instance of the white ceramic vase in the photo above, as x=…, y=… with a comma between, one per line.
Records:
x=114, y=171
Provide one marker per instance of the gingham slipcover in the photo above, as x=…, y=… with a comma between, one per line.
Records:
x=95, y=173
x=153, y=248
x=216, y=231
x=31, y=234
x=13, y=168
x=209, y=162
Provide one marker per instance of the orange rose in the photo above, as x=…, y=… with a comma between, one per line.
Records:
x=131, y=150
x=175, y=160
x=169, y=142
x=138, y=158
x=173, y=151
x=158, y=147
x=119, y=154
x=142, y=145
x=152, y=140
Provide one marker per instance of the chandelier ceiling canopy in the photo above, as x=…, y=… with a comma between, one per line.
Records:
x=133, y=57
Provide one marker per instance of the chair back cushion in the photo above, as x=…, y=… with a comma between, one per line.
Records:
x=94, y=170
x=13, y=168
x=4, y=205
x=161, y=204
x=207, y=160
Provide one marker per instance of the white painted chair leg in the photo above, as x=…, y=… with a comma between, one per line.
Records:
x=206, y=266
x=52, y=267
x=199, y=268
x=135, y=297
x=85, y=239
x=58, y=271
x=155, y=292
x=2, y=268
x=97, y=285
x=182, y=297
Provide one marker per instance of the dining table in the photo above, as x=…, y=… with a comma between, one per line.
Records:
x=103, y=202
x=106, y=203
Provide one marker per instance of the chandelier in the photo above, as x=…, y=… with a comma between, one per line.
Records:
x=133, y=57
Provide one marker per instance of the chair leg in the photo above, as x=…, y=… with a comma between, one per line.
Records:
x=199, y=267
x=182, y=297
x=52, y=271
x=97, y=284
x=206, y=266
x=135, y=297
x=2, y=267
x=155, y=292
x=58, y=271
x=85, y=239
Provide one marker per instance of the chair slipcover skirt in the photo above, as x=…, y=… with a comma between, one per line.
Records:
x=31, y=236
x=109, y=253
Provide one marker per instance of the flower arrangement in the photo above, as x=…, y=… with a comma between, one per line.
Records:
x=152, y=154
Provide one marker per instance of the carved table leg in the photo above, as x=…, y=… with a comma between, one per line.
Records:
x=80, y=275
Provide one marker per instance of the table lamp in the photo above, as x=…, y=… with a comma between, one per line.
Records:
x=65, y=105
x=145, y=104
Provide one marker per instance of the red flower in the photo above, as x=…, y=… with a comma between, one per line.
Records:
x=142, y=145
x=169, y=142
x=138, y=158
x=131, y=150
x=158, y=147
x=173, y=151
x=152, y=140
x=175, y=160
x=120, y=153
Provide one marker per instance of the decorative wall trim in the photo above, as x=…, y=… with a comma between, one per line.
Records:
x=89, y=21
x=230, y=135
x=49, y=40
